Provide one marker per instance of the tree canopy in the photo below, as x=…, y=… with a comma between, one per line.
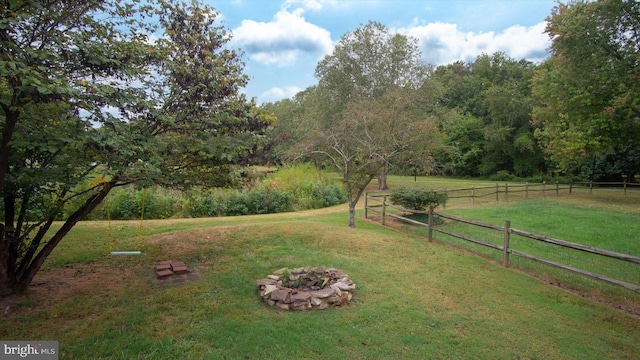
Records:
x=588, y=93
x=92, y=98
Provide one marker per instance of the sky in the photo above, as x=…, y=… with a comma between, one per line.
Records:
x=283, y=40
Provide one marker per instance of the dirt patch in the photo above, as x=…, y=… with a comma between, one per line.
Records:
x=181, y=244
x=109, y=276
x=53, y=287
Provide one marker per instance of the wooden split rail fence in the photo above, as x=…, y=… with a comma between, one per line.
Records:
x=382, y=206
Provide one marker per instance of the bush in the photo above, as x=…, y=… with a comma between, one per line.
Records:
x=127, y=203
x=234, y=203
x=418, y=199
x=265, y=200
x=300, y=187
x=330, y=195
x=203, y=204
x=309, y=187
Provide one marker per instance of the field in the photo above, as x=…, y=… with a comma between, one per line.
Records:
x=414, y=299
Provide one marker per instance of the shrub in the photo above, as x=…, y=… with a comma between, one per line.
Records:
x=265, y=200
x=127, y=203
x=418, y=199
x=234, y=203
x=330, y=195
x=298, y=187
x=203, y=204
x=309, y=187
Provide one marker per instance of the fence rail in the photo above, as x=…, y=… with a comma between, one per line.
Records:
x=382, y=205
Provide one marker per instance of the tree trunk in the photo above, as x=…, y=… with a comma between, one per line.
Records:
x=11, y=119
x=10, y=281
x=5, y=278
x=382, y=179
x=352, y=213
x=382, y=182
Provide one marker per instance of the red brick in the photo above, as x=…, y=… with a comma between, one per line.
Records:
x=163, y=267
x=163, y=273
x=177, y=264
x=180, y=269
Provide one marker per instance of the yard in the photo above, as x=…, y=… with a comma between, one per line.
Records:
x=414, y=299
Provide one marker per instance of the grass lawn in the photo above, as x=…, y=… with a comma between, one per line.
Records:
x=414, y=300
x=605, y=219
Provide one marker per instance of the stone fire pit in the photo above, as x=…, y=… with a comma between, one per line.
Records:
x=306, y=288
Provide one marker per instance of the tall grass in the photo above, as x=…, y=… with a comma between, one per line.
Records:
x=294, y=188
x=311, y=189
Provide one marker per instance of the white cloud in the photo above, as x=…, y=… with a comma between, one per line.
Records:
x=282, y=40
x=315, y=5
x=443, y=43
x=277, y=93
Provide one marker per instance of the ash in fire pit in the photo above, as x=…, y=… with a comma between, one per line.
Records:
x=306, y=288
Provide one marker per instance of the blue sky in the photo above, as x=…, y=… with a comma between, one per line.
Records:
x=284, y=40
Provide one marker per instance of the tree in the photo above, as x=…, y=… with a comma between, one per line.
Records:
x=363, y=105
x=90, y=103
x=353, y=149
x=296, y=119
x=369, y=63
x=493, y=90
x=588, y=93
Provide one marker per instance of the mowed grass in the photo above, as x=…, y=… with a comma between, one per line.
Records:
x=604, y=218
x=414, y=299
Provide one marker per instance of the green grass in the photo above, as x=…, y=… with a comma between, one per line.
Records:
x=605, y=219
x=413, y=300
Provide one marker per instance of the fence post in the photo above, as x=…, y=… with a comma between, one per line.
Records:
x=625, y=186
x=557, y=188
x=473, y=194
x=526, y=190
x=497, y=191
x=384, y=208
x=444, y=206
x=506, y=192
x=505, y=245
x=544, y=186
x=430, y=224
x=590, y=187
x=365, y=204
x=570, y=187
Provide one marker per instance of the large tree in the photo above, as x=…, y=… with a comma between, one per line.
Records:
x=588, y=92
x=90, y=102
x=363, y=108
x=358, y=103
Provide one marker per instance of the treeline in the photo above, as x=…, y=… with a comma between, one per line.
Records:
x=575, y=115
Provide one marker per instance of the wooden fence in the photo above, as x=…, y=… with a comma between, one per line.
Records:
x=381, y=206
x=526, y=191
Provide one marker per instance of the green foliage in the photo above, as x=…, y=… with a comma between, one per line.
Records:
x=179, y=119
x=310, y=188
x=488, y=123
x=299, y=187
x=588, y=93
x=414, y=198
x=257, y=200
x=424, y=218
x=203, y=203
x=127, y=203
